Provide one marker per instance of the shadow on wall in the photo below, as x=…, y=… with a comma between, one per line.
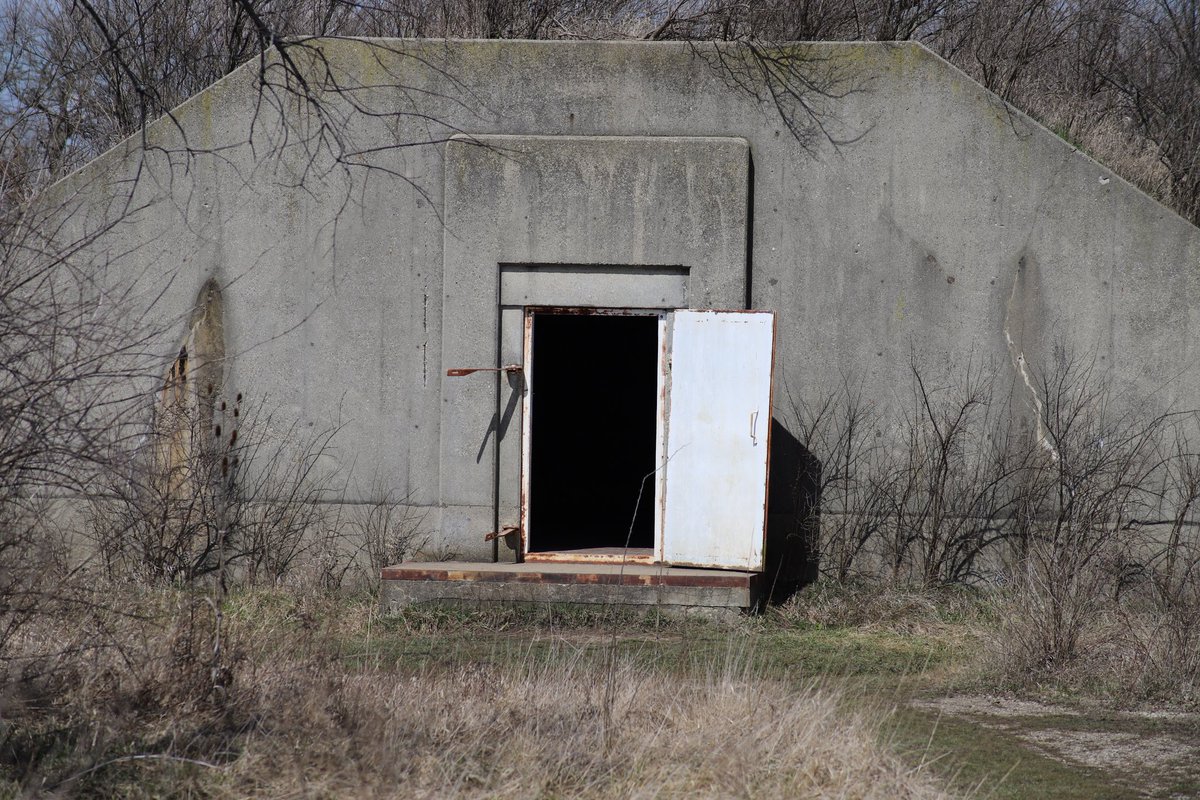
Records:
x=793, y=521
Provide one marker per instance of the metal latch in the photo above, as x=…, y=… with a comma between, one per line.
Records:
x=505, y=531
x=461, y=371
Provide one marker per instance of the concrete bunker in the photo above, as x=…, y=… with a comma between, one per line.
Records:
x=630, y=176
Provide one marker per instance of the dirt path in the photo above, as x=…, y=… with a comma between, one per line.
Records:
x=1151, y=754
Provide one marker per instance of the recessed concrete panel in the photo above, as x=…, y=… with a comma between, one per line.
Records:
x=618, y=219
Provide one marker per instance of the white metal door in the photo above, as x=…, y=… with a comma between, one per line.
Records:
x=714, y=484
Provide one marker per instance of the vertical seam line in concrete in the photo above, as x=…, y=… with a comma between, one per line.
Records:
x=749, y=229
x=496, y=438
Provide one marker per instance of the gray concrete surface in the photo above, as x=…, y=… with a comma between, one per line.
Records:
x=944, y=223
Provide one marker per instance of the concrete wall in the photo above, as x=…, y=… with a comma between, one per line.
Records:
x=942, y=222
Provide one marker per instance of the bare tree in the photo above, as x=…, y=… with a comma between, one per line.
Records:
x=1155, y=72
x=70, y=347
x=1001, y=43
x=84, y=74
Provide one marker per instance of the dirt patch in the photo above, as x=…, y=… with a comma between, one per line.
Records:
x=1151, y=763
x=1109, y=750
x=986, y=705
x=589, y=637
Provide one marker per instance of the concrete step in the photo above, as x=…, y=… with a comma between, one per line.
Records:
x=555, y=582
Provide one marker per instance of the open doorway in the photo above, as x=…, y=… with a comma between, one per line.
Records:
x=593, y=434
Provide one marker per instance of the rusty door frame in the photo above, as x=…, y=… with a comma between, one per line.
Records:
x=526, y=433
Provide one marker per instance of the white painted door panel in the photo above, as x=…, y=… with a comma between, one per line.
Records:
x=715, y=484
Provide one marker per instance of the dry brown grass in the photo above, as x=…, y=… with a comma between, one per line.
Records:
x=142, y=704
x=542, y=731
x=1128, y=654
x=1105, y=134
x=908, y=609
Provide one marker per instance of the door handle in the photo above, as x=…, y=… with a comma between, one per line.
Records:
x=459, y=372
x=507, y=530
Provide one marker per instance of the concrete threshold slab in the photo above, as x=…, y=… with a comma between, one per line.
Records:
x=554, y=582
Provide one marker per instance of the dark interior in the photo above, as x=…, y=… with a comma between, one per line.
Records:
x=592, y=431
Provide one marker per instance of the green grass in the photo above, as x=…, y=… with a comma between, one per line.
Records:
x=876, y=659
x=994, y=763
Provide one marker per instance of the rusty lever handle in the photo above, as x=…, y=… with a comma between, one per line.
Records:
x=461, y=371
x=505, y=531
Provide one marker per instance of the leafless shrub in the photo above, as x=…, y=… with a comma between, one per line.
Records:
x=1082, y=507
x=1154, y=74
x=278, y=514
x=1104, y=585
x=918, y=494
x=162, y=521
x=949, y=494
x=385, y=529
x=1161, y=614
x=842, y=430
x=65, y=341
x=1003, y=42
x=36, y=573
x=1054, y=616
x=239, y=501
x=1115, y=78
x=1175, y=570
x=69, y=348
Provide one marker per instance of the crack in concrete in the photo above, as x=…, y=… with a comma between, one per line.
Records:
x=1021, y=366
